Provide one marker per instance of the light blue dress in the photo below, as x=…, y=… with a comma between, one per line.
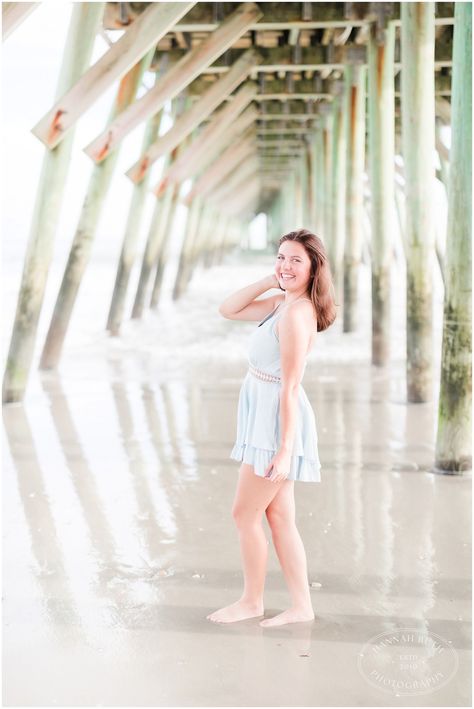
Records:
x=258, y=412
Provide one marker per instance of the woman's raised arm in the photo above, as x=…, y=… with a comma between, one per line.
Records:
x=242, y=305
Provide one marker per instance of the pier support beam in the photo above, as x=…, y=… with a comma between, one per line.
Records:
x=221, y=239
x=163, y=255
x=338, y=190
x=381, y=112
x=159, y=219
x=356, y=95
x=319, y=179
x=418, y=137
x=202, y=235
x=154, y=242
x=132, y=229
x=177, y=78
x=299, y=194
x=81, y=248
x=328, y=121
x=184, y=265
x=454, y=439
x=13, y=14
x=77, y=54
x=199, y=231
x=310, y=196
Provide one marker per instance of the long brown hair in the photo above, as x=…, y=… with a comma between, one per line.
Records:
x=320, y=287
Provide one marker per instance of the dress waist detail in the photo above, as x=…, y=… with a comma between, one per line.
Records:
x=264, y=376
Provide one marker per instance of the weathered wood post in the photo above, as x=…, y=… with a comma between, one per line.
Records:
x=223, y=230
x=163, y=254
x=214, y=235
x=159, y=220
x=273, y=218
x=319, y=178
x=132, y=228
x=77, y=54
x=199, y=228
x=218, y=238
x=277, y=224
x=287, y=206
x=356, y=84
x=381, y=102
x=282, y=213
x=185, y=255
x=302, y=187
x=338, y=188
x=298, y=195
x=454, y=437
x=212, y=256
x=13, y=14
x=81, y=247
x=328, y=119
x=202, y=234
x=227, y=238
x=153, y=244
x=418, y=136
x=286, y=221
x=309, y=174
x=400, y=205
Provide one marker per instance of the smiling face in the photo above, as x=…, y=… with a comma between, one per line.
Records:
x=293, y=267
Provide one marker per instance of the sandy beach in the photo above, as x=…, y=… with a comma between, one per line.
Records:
x=118, y=537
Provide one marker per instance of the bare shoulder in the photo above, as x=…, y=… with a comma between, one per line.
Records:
x=303, y=313
x=303, y=309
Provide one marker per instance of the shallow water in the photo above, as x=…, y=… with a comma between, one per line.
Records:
x=118, y=537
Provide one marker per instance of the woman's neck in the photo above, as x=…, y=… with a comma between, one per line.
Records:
x=292, y=298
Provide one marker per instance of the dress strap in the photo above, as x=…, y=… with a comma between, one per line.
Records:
x=267, y=317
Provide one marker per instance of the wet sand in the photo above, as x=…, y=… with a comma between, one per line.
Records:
x=118, y=538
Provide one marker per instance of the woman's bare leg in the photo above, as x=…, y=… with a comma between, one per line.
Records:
x=252, y=497
x=291, y=554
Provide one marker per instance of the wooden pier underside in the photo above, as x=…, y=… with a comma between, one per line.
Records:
x=297, y=110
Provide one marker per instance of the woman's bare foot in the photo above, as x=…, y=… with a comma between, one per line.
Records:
x=237, y=611
x=291, y=615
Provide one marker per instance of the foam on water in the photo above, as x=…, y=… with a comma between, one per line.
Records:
x=190, y=337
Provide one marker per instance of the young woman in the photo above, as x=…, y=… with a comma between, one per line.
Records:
x=276, y=428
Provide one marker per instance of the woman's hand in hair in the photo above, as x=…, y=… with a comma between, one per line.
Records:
x=274, y=281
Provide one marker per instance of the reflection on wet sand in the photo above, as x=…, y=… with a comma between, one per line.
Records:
x=47, y=562
x=119, y=539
